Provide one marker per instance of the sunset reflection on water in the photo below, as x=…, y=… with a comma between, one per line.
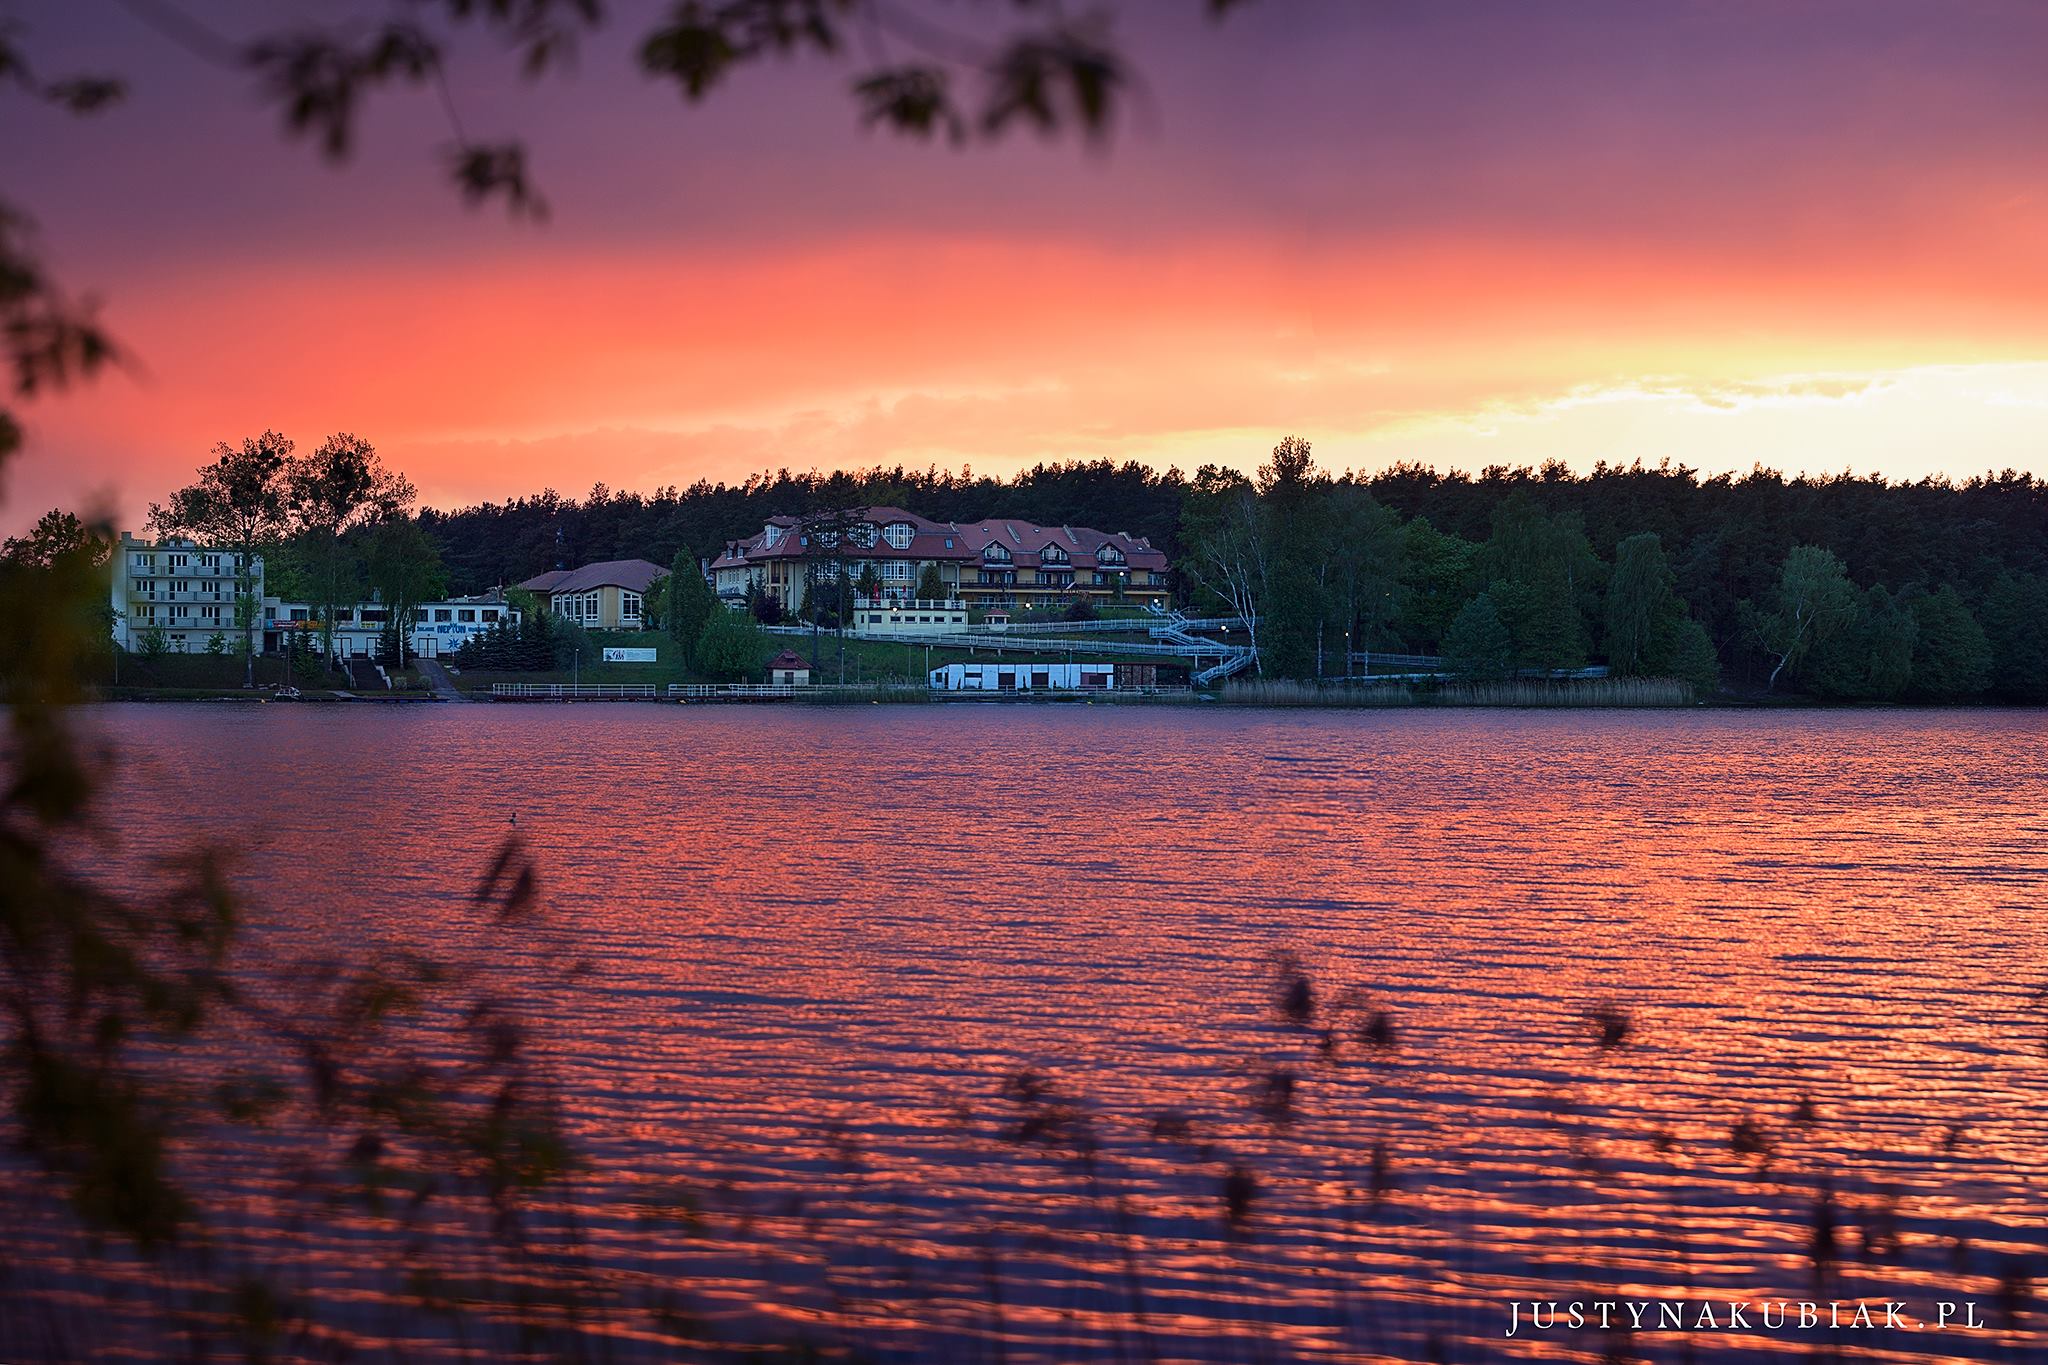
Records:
x=934, y=1032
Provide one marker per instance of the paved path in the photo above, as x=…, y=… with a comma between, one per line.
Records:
x=437, y=677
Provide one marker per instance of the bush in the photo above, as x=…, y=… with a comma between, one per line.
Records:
x=732, y=647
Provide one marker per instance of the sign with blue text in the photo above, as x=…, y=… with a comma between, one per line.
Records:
x=615, y=655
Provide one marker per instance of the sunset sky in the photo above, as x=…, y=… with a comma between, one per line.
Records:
x=1808, y=234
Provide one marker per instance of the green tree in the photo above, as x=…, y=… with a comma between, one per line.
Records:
x=1870, y=658
x=1951, y=656
x=1224, y=538
x=1641, y=602
x=1682, y=649
x=1478, y=644
x=1359, y=572
x=732, y=647
x=654, y=603
x=336, y=491
x=2014, y=615
x=56, y=538
x=1812, y=601
x=240, y=505
x=1298, y=545
x=1542, y=574
x=1439, y=574
x=404, y=568
x=931, y=585
x=690, y=600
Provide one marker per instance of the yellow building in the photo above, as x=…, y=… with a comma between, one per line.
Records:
x=604, y=596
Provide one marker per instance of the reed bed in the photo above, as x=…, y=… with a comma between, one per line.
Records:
x=1548, y=692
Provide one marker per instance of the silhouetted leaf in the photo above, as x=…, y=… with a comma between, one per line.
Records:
x=1044, y=79
x=485, y=171
x=86, y=94
x=911, y=99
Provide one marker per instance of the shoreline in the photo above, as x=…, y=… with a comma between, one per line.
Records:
x=1205, y=701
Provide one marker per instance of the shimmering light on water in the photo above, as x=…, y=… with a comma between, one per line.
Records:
x=824, y=940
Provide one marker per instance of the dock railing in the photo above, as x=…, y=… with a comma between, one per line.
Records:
x=574, y=691
x=729, y=691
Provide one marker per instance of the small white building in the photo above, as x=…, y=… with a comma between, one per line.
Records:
x=789, y=669
x=434, y=628
x=890, y=616
x=1002, y=677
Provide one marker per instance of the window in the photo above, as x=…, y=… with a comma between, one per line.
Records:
x=996, y=554
x=442, y=614
x=898, y=569
x=590, y=606
x=629, y=606
x=898, y=534
x=1109, y=554
x=465, y=614
x=1052, y=554
x=490, y=613
x=862, y=534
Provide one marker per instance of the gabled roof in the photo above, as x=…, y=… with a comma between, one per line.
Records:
x=634, y=575
x=963, y=542
x=789, y=658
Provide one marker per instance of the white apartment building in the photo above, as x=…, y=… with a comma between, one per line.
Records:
x=183, y=590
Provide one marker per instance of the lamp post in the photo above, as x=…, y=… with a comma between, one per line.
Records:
x=575, y=670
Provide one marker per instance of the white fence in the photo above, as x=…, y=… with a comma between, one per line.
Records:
x=574, y=691
x=729, y=691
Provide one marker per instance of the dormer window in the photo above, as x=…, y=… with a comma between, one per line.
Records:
x=1052, y=554
x=898, y=534
x=862, y=534
x=996, y=554
x=1109, y=554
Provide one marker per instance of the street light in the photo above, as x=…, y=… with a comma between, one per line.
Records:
x=575, y=669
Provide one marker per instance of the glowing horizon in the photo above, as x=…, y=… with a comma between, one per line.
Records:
x=1527, y=269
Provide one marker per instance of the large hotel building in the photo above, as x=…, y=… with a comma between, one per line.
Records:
x=1012, y=565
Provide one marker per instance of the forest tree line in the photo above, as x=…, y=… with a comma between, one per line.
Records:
x=1839, y=586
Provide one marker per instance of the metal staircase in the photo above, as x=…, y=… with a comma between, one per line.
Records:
x=1180, y=630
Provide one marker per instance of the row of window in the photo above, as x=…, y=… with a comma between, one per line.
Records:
x=146, y=562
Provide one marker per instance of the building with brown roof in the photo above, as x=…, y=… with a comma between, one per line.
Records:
x=605, y=596
x=789, y=669
x=996, y=563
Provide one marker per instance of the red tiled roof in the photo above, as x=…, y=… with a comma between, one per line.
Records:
x=966, y=542
x=788, y=658
x=634, y=575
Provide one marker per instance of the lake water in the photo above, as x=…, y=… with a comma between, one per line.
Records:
x=823, y=943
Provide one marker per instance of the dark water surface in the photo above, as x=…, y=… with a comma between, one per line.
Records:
x=824, y=939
